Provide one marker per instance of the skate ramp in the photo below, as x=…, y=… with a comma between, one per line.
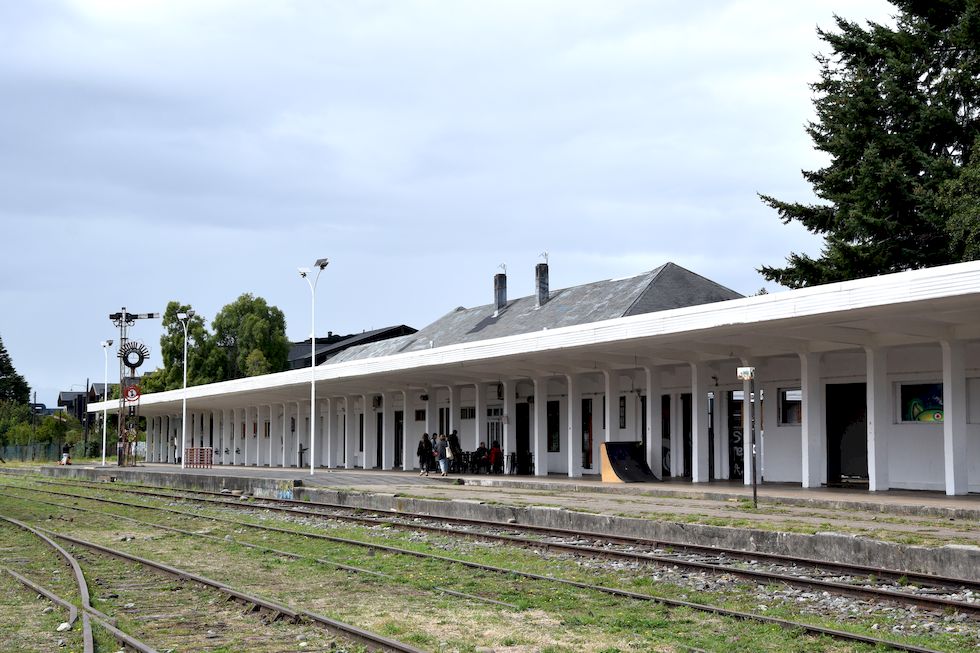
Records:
x=624, y=462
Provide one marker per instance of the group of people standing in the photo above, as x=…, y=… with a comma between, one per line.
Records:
x=440, y=448
x=445, y=450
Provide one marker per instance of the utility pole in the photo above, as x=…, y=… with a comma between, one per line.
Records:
x=85, y=418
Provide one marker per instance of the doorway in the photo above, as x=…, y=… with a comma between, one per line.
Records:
x=686, y=433
x=665, y=439
x=847, y=434
x=523, y=435
x=587, y=433
x=381, y=442
x=399, y=436
x=736, y=436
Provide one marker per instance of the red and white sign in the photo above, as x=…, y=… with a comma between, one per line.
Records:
x=132, y=393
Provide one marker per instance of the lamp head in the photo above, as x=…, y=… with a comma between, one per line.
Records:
x=303, y=272
x=322, y=263
x=106, y=343
x=185, y=315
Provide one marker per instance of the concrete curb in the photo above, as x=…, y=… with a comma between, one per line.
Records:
x=952, y=560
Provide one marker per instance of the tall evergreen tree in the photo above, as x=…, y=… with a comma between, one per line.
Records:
x=898, y=112
x=13, y=386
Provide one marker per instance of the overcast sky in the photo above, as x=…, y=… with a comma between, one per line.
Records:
x=196, y=150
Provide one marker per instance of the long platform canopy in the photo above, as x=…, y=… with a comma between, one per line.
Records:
x=920, y=306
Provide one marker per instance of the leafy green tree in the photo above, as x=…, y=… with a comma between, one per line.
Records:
x=248, y=328
x=899, y=116
x=12, y=413
x=13, y=387
x=205, y=362
x=20, y=433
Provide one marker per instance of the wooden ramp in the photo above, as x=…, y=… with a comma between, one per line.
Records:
x=624, y=462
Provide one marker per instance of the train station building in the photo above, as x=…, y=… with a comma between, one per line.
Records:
x=872, y=383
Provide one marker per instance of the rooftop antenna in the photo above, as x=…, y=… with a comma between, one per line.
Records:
x=503, y=267
x=544, y=255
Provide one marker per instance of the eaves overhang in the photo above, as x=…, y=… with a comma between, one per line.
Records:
x=952, y=290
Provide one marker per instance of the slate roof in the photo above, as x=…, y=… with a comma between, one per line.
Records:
x=300, y=351
x=668, y=286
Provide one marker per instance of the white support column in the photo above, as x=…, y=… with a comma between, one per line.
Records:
x=654, y=418
x=216, y=416
x=455, y=392
x=431, y=417
x=480, y=428
x=226, y=433
x=387, y=430
x=296, y=428
x=350, y=432
x=954, y=417
x=272, y=445
x=699, y=422
x=510, y=419
x=814, y=452
x=232, y=440
x=878, y=418
x=165, y=438
x=158, y=439
x=573, y=444
x=539, y=444
x=282, y=426
x=316, y=439
x=370, y=453
x=303, y=419
x=250, y=429
x=611, y=400
x=409, y=436
x=329, y=431
x=150, y=438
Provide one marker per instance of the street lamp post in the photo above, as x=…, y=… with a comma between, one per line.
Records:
x=105, y=394
x=184, y=318
x=320, y=264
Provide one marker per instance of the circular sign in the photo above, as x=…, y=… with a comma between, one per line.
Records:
x=132, y=393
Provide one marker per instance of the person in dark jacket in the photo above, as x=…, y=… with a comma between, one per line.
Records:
x=456, y=464
x=424, y=452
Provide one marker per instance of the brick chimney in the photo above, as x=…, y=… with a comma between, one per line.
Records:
x=541, y=283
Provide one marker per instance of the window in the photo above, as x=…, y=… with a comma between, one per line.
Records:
x=420, y=415
x=922, y=402
x=790, y=407
x=467, y=412
x=622, y=412
x=495, y=426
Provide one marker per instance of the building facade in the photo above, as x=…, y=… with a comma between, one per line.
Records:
x=873, y=382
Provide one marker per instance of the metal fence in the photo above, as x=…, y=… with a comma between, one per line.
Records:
x=41, y=453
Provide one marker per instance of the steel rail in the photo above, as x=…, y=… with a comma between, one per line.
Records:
x=259, y=547
x=88, y=641
x=847, y=589
x=373, y=641
x=839, y=567
x=747, y=616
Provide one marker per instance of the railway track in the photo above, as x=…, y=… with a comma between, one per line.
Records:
x=164, y=608
x=923, y=591
x=622, y=593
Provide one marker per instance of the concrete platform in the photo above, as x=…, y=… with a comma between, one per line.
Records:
x=927, y=532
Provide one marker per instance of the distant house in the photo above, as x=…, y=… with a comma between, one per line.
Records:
x=75, y=404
